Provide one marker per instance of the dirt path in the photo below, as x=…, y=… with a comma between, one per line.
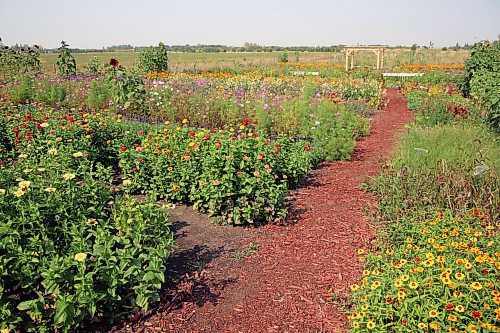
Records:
x=282, y=287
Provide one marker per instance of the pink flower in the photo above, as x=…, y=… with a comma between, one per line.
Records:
x=266, y=106
x=215, y=182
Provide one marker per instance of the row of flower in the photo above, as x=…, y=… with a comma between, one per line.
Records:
x=72, y=249
x=437, y=274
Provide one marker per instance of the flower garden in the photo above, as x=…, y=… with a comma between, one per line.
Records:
x=90, y=164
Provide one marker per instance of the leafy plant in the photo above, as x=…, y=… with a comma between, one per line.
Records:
x=93, y=67
x=66, y=64
x=154, y=59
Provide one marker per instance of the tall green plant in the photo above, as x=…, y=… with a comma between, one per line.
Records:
x=154, y=59
x=66, y=63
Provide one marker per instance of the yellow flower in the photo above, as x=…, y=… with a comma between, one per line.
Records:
x=127, y=182
x=460, y=308
x=452, y=318
x=2, y=191
x=360, y=251
x=398, y=283
x=459, y=276
x=176, y=187
x=405, y=277
x=19, y=193
x=429, y=255
x=375, y=285
x=355, y=324
x=421, y=326
x=434, y=325
x=24, y=184
x=370, y=325
x=366, y=272
x=80, y=256
x=50, y=189
x=476, y=286
x=413, y=285
x=354, y=287
x=53, y=151
x=184, y=121
x=433, y=313
x=68, y=176
x=91, y=221
x=419, y=269
x=78, y=154
x=44, y=125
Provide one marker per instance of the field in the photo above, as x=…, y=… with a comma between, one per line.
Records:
x=234, y=192
x=209, y=61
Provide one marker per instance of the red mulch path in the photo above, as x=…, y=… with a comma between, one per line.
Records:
x=283, y=286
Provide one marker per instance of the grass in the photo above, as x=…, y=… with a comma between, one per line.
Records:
x=207, y=61
x=251, y=249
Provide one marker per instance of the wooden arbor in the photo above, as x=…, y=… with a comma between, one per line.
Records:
x=350, y=51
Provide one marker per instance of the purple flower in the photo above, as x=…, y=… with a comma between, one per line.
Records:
x=266, y=106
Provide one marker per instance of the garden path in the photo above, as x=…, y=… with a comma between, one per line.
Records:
x=286, y=285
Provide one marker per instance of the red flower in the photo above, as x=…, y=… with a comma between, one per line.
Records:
x=218, y=144
x=245, y=121
x=191, y=134
x=404, y=321
x=207, y=137
x=485, y=271
x=71, y=119
x=139, y=160
x=113, y=62
x=449, y=306
x=278, y=145
x=255, y=122
x=476, y=314
x=307, y=148
x=123, y=148
x=388, y=300
x=134, y=169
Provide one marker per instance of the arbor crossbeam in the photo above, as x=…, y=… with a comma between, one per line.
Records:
x=350, y=51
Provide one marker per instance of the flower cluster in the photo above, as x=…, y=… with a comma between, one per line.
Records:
x=437, y=275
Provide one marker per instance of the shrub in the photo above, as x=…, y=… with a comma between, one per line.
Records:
x=93, y=67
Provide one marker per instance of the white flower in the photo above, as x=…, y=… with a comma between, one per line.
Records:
x=2, y=191
x=44, y=125
x=53, y=151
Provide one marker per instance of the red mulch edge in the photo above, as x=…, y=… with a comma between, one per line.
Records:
x=284, y=286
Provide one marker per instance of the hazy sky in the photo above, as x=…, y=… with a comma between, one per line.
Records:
x=98, y=23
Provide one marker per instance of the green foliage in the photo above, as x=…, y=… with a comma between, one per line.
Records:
x=71, y=248
x=66, y=64
x=93, y=67
x=21, y=60
x=283, y=57
x=482, y=80
x=154, y=59
x=443, y=167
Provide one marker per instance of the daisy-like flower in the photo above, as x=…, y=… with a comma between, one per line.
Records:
x=80, y=256
x=476, y=286
x=50, y=189
x=127, y=182
x=2, y=191
x=24, y=184
x=68, y=176
x=44, y=125
x=413, y=285
x=78, y=154
x=91, y=221
x=53, y=151
x=19, y=193
x=370, y=325
x=433, y=313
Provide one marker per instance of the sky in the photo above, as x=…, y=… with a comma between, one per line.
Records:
x=101, y=23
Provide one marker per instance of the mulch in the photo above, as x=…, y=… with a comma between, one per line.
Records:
x=287, y=284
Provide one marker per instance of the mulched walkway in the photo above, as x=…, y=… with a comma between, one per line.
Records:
x=284, y=285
